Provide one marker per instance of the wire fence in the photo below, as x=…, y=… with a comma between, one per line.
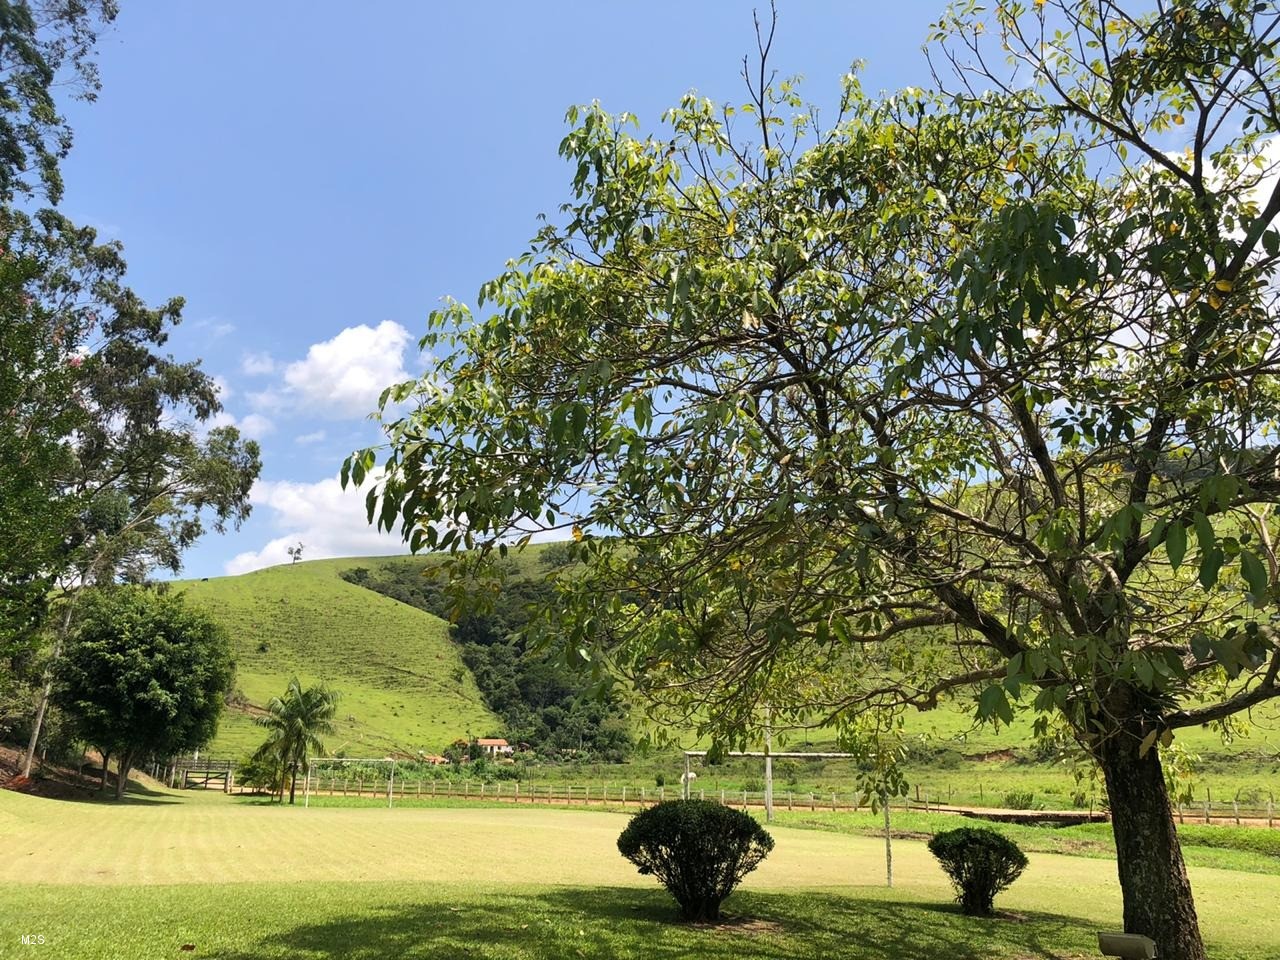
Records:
x=1219, y=812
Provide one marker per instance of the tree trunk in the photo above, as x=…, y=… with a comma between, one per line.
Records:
x=123, y=765
x=46, y=691
x=1153, y=877
x=293, y=783
x=106, y=756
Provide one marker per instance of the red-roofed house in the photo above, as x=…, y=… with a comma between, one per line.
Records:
x=494, y=746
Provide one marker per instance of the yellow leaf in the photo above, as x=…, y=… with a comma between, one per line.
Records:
x=1178, y=120
x=1215, y=301
x=577, y=532
x=732, y=226
x=1224, y=286
x=1148, y=742
x=1166, y=737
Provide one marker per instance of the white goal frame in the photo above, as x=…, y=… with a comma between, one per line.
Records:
x=768, y=756
x=324, y=761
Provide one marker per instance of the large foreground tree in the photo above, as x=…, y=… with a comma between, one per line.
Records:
x=961, y=395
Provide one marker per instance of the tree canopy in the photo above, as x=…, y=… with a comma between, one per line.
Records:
x=115, y=463
x=966, y=392
x=143, y=676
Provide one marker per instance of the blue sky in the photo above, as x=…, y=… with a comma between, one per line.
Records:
x=314, y=177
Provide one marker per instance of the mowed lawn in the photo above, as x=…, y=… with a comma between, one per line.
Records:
x=224, y=878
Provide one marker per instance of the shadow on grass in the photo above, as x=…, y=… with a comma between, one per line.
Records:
x=614, y=923
x=135, y=794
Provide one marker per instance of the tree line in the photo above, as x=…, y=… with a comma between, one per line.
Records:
x=544, y=702
x=113, y=463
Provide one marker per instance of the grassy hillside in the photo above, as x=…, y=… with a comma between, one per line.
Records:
x=406, y=687
x=403, y=685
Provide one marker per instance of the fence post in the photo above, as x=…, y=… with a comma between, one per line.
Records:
x=624, y=794
x=644, y=791
x=788, y=799
x=1271, y=809
x=812, y=805
x=702, y=794
x=1206, y=810
x=722, y=796
x=1235, y=807
x=833, y=801
x=1181, y=819
x=517, y=791
x=662, y=794
x=744, y=800
x=360, y=787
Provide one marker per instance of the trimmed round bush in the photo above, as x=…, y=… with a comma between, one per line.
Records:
x=699, y=850
x=981, y=863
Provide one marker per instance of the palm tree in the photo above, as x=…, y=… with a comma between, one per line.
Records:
x=297, y=721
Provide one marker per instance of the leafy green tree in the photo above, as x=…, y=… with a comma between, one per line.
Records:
x=296, y=723
x=114, y=473
x=963, y=394
x=144, y=675
x=45, y=44
x=37, y=412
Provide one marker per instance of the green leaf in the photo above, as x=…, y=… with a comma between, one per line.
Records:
x=1175, y=541
x=993, y=704
x=1148, y=742
x=1204, y=533
x=1255, y=574
x=1210, y=565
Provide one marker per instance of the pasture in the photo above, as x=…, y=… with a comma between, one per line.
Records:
x=403, y=684
x=169, y=870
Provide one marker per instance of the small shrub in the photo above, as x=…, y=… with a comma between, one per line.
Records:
x=660, y=779
x=981, y=863
x=1019, y=801
x=698, y=849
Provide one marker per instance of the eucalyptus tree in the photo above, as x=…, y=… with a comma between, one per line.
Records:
x=963, y=395
x=116, y=465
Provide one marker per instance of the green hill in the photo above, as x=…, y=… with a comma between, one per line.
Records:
x=404, y=686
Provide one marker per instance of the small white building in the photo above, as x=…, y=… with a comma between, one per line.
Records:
x=494, y=747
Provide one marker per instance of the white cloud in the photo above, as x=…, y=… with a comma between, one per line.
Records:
x=344, y=376
x=214, y=327
x=254, y=426
x=223, y=387
x=307, y=438
x=258, y=364
x=327, y=520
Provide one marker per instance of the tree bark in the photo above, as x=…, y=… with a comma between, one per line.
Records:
x=106, y=756
x=1153, y=876
x=123, y=765
x=46, y=691
x=293, y=783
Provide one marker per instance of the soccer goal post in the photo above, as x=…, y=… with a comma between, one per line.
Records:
x=768, y=757
x=323, y=762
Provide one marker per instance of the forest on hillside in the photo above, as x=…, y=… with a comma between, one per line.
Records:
x=544, y=703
